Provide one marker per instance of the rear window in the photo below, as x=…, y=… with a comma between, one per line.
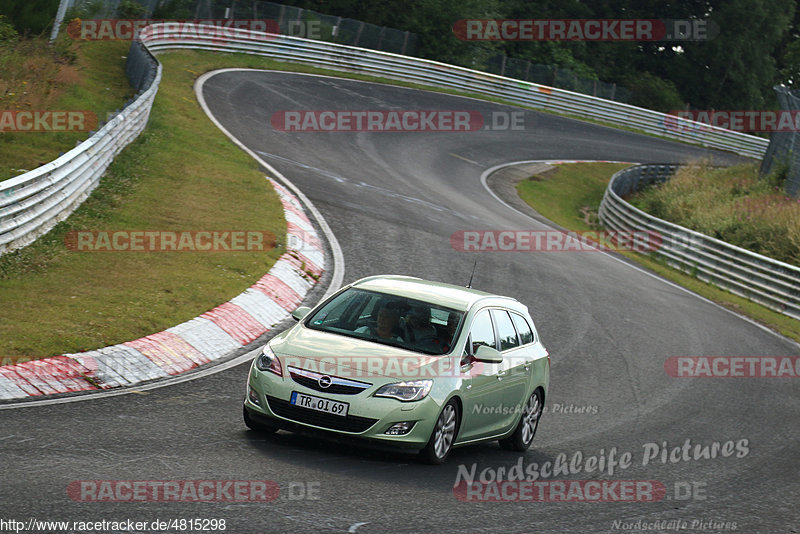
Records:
x=523, y=328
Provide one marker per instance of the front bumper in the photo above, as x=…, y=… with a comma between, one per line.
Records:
x=368, y=417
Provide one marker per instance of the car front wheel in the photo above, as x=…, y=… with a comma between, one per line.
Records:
x=443, y=435
x=523, y=435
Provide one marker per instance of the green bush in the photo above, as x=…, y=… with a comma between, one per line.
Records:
x=130, y=9
x=7, y=32
x=652, y=92
x=31, y=17
x=85, y=10
x=174, y=9
x=732, y=204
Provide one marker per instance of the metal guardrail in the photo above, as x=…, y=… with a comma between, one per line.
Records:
x=372, y=62
x=32, y=203
x=758, y=278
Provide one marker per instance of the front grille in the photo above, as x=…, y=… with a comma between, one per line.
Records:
x=333, y=388
x=338, y=386
x=350, y=423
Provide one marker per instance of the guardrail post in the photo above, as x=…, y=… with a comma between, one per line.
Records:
x=380, y=37
x=62, y=10
x=358, y=35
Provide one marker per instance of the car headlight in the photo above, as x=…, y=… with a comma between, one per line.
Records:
x=267, y=361
x=406, y=391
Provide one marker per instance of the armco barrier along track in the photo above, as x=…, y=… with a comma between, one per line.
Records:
x=161, y=37
x=770, y=282
x=34, y=202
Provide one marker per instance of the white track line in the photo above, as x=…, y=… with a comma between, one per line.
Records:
x=338, y=257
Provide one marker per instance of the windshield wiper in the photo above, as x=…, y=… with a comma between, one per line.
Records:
x=387, y=341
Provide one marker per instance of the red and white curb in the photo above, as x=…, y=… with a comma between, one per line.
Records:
x=206, y=338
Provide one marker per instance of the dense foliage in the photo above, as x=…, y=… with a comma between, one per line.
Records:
x=732, y=204
x=757, y=47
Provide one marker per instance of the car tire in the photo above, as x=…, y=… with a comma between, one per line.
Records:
x=258, y=427
x=443, y=435
x=523, y=435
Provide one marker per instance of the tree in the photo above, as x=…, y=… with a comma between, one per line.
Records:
x=790, y=73
x=434, y=20
x=652, y=92
x=30, y=16
x=735, y=70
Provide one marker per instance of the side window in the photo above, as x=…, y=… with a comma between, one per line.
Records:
x=505, y=330
x=524, y=329
x=482, y=332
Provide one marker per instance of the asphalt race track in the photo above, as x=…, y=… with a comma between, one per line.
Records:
x=393, y=200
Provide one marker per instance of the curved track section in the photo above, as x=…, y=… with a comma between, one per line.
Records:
x=393, y=200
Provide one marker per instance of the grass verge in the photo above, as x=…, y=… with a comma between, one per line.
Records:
x=733, y=204
x=181, y=174
x=570, y=195
x=69, y=76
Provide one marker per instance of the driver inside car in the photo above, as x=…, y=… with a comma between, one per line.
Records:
x=387, y=323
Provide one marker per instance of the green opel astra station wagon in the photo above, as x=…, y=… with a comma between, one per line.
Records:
x=408, y=363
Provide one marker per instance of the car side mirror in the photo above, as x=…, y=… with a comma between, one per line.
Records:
x=300, y=312
x=488, y=355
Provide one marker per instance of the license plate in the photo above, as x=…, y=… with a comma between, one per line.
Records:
x=319, y=404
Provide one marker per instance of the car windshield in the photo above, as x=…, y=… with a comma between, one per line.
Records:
x=390, y=320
